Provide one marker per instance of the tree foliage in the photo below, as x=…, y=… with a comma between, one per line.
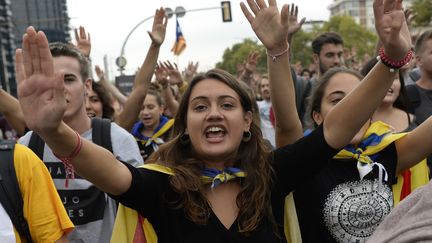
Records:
x=353, y=34
x=301, y=48
x=423, y=12
x=238, y=54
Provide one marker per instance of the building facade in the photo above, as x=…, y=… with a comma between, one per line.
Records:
x=50, y=16
x=360, y=10
x=7, y=48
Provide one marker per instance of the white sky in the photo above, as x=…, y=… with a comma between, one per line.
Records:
x=110, y=21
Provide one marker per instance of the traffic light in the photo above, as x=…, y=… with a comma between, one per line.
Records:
x=226, y=11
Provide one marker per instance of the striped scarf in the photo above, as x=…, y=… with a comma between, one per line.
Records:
x=130, y=227
x=155, y=140
x=377, y=137
x=216, y=177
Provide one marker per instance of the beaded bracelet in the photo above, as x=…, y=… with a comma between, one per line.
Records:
x=394, y=65
x=66, y=160
x=277, y=55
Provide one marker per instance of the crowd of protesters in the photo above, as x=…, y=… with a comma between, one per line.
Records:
x=338, y=151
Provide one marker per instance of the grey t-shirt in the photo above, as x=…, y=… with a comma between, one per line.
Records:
x=424, y=110
x=90, y=209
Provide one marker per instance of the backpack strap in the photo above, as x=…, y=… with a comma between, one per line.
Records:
x=414, y=98
x=101, y=133
x=10, y=194
x=37, y=145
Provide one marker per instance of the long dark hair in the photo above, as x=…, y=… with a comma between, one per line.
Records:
x=253, y=157
x=106, y=100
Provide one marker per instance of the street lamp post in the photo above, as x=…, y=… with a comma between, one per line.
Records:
x=179, y=12
x=121, y=60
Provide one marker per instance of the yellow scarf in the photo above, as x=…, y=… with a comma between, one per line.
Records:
x=156, y=137
x=376, y=138
x=130, y=227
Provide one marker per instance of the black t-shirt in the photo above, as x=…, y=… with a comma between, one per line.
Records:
x=336, y=206
x=424, y=110
x=152, y=196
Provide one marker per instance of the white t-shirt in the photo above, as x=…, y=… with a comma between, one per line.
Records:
x=91, y=210
x=267, y=128
x=7, y=234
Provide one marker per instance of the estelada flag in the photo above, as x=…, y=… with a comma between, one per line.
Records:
x=180, y=43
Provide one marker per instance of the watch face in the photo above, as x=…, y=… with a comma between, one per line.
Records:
x=121, y=61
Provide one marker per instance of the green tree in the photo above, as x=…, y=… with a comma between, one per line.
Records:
x=238, y=54
x=301, y=48
x=423, y=12
x=353, y=34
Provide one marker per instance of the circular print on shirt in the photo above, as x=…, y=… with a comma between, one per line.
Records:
x=353, y=210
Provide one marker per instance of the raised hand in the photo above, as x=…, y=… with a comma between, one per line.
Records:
x=392, y=29
x=409, y=16
x=100, y=73
x=161, y=75
x=251, y=62
x=293, y=25
x=40, y=90
x=190, y=70
x=83, y=41
x=175, y=77
x=270, y=26
x=157, y=35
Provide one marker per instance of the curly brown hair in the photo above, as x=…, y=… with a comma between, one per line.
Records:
x=253, y=157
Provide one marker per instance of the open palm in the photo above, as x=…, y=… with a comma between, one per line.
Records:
x=160, y=21
x=270, y=26
x=293, y=24
x=83, y=41
x=391, y=26
x=40, y=90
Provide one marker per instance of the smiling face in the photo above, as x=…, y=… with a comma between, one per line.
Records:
x=94, y=107
x=216, y=121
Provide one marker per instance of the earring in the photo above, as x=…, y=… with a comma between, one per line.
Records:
x=184, y=139
x=247, y=136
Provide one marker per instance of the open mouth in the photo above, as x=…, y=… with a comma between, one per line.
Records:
x=215, y=133
x=147, y=120
x=91, y=114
